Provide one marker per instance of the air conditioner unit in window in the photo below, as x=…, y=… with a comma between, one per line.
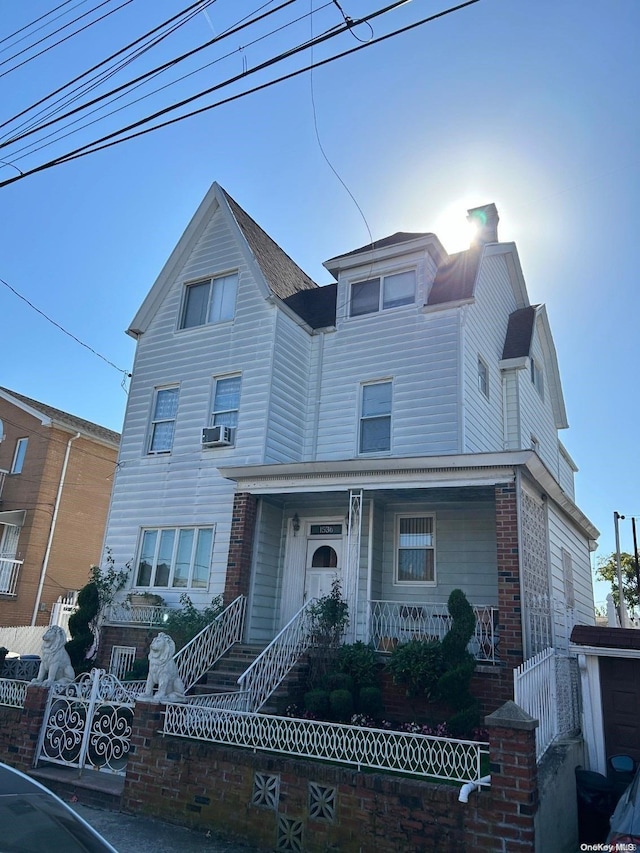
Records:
x=217, y=436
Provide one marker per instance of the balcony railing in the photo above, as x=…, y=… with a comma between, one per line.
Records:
x=9, y=569
x=393, y=622
x=136, y=614
x=3, y=475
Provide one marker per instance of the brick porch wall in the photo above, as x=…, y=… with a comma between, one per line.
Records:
x=20, y=729
x=243, y=522
x=139, y=636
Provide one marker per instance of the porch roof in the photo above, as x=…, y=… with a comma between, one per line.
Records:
x=468, y=469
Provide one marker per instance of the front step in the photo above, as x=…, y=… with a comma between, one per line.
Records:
x=89, y=787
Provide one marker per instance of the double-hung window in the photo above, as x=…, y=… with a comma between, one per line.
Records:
x=483, y=377
x=415, y=549
x=226, y=403
x=378, y=294
x=375, y=418
x=175, y=557
x=163, y=420
x=209, y=301
x=537, y=377
x=18, y=456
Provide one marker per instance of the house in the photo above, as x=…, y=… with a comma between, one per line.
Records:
x=397, y=427
x=56, y=472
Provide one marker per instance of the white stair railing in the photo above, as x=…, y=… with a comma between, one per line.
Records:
x=268, y=670
x=201, y=652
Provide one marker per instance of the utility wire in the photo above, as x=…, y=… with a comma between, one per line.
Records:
x=62, y=329
x=36, y=21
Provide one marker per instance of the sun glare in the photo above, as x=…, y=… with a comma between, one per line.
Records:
x=452, y=228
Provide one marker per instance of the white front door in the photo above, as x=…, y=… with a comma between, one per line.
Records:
x=323, y=564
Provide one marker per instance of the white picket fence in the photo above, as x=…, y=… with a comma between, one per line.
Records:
x=25, y=639
x=545, y=686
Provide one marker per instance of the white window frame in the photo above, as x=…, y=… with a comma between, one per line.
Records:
x=214, y=413
x=362, y=418
x=483, y=377
x=381, y=279
x=211, y=281
x=174, y=553
x=396, y=549
x=19, y=456
x=567, y=577
x=154, y=421
x=537, y=377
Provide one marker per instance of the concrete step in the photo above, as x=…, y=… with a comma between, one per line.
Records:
x=89, y=787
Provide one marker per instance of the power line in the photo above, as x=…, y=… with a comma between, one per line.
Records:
x=37, y=20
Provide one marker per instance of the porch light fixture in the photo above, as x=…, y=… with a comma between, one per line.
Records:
x=295, y=521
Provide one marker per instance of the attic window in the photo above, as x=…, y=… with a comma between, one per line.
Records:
x=537, y=377
x=378, y=294
x=209, y=301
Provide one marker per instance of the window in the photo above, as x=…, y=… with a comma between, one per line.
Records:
x=377, y=294
x=535, y=444
x=415, y=549
x=567, y=571
x=483, y=377
x=163, y=421
x=537, y=377
x=176, y=557
x=210, y=301
x=18, y=456
x=226, y=403
x=375, y=420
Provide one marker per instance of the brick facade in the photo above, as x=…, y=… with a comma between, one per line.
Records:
x=508, y=562
x=243, y=522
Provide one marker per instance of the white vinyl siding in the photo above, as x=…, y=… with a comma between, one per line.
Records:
x=266, y=580
x=564, y=538
x=536, y=414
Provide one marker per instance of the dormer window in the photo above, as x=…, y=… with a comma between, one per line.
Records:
x=378, y=294
x=209, y=301
x=537, y=377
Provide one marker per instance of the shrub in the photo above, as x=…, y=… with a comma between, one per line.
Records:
x=81, y=628
x=182, y=625
x=370, y=701
x=418, y=665
x=317, y=702
x=341, y=704
x=360, y=662
x=139, y=670
x=3, y=653
x=339, y=681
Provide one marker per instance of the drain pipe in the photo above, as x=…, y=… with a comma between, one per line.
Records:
x=52, y=529
x=463, y=796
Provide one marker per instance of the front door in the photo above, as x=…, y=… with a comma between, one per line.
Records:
x=323, y=564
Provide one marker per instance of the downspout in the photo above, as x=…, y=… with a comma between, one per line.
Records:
x=52, y=529
x=462, y=358
x=468, y=787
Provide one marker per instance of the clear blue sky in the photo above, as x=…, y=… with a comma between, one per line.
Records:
x=533, y=106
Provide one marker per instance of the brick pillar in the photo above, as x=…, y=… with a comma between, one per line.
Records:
x=142, y=781
x=32, y=721
x=514, y=777
x=508, y=559
x=243, y=522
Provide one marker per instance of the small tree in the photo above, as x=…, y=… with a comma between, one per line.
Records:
x=329, y=617
x=183, y=624
x=608, y=571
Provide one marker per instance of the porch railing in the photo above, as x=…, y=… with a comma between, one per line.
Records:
x=200, y=653
x=266, y=672
x=9, y=570
x=393, y=622
x=3, y=476
x=377, y=749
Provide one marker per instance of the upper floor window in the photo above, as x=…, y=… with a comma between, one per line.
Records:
x=176, y=557
x=375, y=418
x=378, y=294
x=163, y=420
x=483, y=377
x=537, y=377
x=567, y=571
x=209, y=301
x=415, y=549
x=18, y=456
x=226, y=403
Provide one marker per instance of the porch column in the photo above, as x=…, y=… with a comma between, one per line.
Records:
x=352, y=563
x=243, y=523
x=509, y=592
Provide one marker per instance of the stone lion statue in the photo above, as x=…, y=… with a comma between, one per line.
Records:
x=163, y=672
x=55, y=665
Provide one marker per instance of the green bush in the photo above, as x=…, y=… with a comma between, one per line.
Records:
x=463, y=627
x=3, y=653
x=341, y=704
x=182, y=625
x=339, y=681
x=370, y=701
x=465, y=721
x=360, y=662
x=317, y=702
x=139, y=670
x=418, y=665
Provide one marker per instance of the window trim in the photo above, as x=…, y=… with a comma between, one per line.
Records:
x=396, y=549
x=153, y=421
x=483, y=374
x=213, y=412
x=17, y=464
x=362, y=417
x=174, y=551
x=568, y=578
x=537, y=377
x=210, y=279
x=380, y=278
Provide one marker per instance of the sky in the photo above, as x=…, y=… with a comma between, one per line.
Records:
x=533, y=106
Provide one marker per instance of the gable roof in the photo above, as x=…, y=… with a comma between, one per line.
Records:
x=517, y=342
x=60, y=418
x=391, y=240
x=455, y=278
x=282, y=274
x=316, y=307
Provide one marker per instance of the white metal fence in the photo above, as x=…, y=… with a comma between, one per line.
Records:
x=423, y=755
x=392, y=622
x=9, y=571
x=135, y=614
x=12, y=692
x=25, y=640
x=546, y=687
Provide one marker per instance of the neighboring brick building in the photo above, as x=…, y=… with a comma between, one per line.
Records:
x=56, y=473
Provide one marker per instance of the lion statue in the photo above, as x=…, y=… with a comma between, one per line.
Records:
x=55, y=665
x=163, y=672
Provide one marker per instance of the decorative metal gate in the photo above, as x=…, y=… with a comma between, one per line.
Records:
x=88, y=723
